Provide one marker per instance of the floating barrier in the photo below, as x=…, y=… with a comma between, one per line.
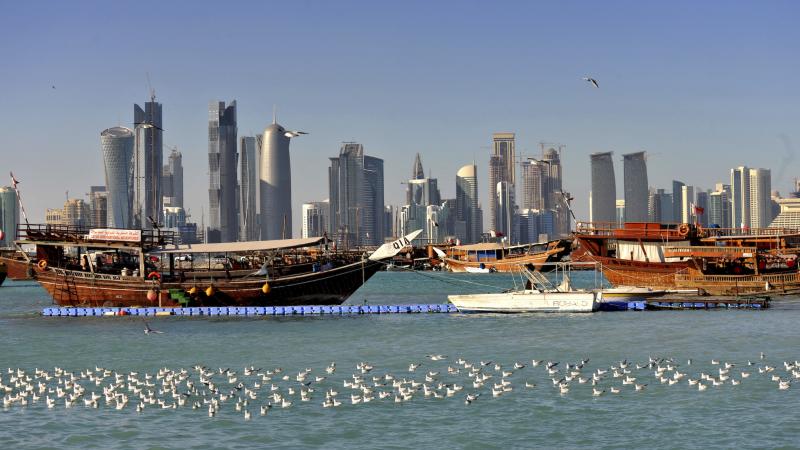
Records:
x=251, y=310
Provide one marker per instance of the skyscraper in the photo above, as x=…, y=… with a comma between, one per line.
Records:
x=503, y=144
x=702, y=207
x=659, y=208
x=222, y=192
x=552, y=184
x=760, y=199
x=275, y=179
x=677, y=196
x=740, y=197
x=248, y=185
x=315, y=219
x=687, y=203
x=355, y=183
x=9, y=216
x=172, y=181
x=604, y=189
x=635, y=170
x=98, y=205
x=719, y=209
x=534, y=183
x=468, y=218
x=421, y=190
x=497, y=173
x=417, y=172
x=117, y=146
x=506, y=214
x=148, y=163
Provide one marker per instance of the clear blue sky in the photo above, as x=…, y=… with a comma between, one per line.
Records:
x=701, y=86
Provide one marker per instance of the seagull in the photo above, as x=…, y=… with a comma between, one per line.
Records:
x=591, y=80
x=148, y=330
x=291, y=134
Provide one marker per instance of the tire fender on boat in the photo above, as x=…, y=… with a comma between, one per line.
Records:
x=42, y=264
x=266, y=288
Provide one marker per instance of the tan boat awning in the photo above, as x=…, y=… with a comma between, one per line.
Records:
x=241, y=247
x=488, y=246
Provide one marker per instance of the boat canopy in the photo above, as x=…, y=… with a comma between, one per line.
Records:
x=488, y=246
x=240, y=247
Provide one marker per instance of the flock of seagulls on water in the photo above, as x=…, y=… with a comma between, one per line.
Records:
x=258, y=390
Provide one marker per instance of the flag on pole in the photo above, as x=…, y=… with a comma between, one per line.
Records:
x=699, y=210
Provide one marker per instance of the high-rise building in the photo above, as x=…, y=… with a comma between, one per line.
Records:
x=248, y=185
x=149, y=159
x=373, y=201
x=506, y=213
x=118, y=158
x=503, y=145
x=788, y=215
x=468, y=217
x=740, y=197
x=315, y=219
x=9, y=216
x=552, y=182
x=636, y=193
x=76, y=213
x=602, y=198
x=275, y=179
x=677, y=204
x=760, y=198
x=222, y=190
x=98, y=205
x=701, y=207
x=687, y=204
x=355, y=184
x=172, y=180
x=719, y=209
x=417, y=173
x=534, y=175
x=659, y=207
x=497, y=173
x=422, y=190
x=174, y=217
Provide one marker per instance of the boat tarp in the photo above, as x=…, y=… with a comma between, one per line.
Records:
x=241, y=247
x=647, y=251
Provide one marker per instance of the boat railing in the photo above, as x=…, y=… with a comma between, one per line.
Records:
x=78, y=234
x=778, y=278
x=86, y=275
x=673, y=230
x=709, y=251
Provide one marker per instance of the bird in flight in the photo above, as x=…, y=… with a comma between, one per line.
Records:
x=291, y=134
x=54, y=86
x=592, y=80
x=148, y=330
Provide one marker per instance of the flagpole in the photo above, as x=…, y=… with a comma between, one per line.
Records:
x=14, y=183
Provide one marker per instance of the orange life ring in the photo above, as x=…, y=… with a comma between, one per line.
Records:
x=42, y=264
x=683, y=229
x=154, y=275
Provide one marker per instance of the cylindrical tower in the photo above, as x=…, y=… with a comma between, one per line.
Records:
x=117, y=146
x=275, y=181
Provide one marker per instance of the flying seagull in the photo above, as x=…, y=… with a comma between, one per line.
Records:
x=54, y=86
x=291, y=134
x=591, y=80
x=148, y=330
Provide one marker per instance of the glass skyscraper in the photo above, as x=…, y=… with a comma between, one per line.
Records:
x=117, y=146
x=223, y=216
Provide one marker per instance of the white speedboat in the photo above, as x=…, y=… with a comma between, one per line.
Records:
x=478, y=270
x=538, y=296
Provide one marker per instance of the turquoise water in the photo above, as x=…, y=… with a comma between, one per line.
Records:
x=753, y=414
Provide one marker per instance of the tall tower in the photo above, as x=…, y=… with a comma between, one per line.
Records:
x=417, y=172
x=760, y=199
x=740, y=197
x=505, y=210
x=117, y=146
x=497, y=174
x=223, y=217
x=356, y=197
x=677, y=208
x=148, y=199
x=534, y=175
x=467, y=215
x=275, y=180
x=604, y=189
x=503, y=144
x=636, y=193
x=9, y=216
x=248, y=163
x=175, y=167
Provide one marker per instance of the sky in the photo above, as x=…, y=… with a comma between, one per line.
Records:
x=700, y=86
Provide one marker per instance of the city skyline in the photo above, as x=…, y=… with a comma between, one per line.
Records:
x=696, y=116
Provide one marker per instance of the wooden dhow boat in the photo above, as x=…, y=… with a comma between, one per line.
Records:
x=715, y=261
x=121, y=268
x=488, y=257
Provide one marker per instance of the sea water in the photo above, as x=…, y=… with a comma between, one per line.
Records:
x=753, y=414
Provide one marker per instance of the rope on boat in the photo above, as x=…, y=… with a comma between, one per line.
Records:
x=446, y=281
